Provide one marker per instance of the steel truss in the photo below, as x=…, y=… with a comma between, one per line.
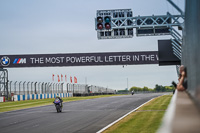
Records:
x=122, y=25
x=155, y=22
x=148, y=21
x=4, y=82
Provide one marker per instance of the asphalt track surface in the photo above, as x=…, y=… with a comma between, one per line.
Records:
x=86, y=116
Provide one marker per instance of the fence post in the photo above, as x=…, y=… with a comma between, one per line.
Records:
x=53, y=88
x=10, y=86
x=67, y=86
x=49, y=86
x=28, y=87
x=42, y=87
x=45, y=88
x=72, y=86
x=39, y=87
x=35, y=87
x=24, y=87
x=56, y=87
x=62, y=87
x=19, y=86
x=15, y=87
x=32, y=87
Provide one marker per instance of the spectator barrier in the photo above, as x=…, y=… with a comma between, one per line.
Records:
x=40, y=96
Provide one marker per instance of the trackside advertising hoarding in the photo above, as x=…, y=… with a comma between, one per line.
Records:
x=79, y=59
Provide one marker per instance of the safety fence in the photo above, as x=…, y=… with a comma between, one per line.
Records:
x=28, y=88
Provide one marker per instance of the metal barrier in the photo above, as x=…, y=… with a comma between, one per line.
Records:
x=27, y=87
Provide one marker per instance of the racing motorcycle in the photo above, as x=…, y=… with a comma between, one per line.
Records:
x=57, y=104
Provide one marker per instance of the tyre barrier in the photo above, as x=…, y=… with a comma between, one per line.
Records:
x=40, y=96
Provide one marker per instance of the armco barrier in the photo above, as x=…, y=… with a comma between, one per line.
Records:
x=40, y=96
x=2, y=99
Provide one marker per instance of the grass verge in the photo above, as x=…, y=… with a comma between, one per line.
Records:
x=10, y=106
x=146, y=119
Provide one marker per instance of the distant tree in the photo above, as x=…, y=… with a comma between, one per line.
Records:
x=134, y=88
x=158, y=88
x=161, y=88
x=122, y=90
x=169, y=88
x=145, y=88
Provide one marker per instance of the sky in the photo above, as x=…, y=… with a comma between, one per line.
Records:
x=65, y=26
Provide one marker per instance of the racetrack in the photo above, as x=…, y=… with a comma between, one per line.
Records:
x=86, y=116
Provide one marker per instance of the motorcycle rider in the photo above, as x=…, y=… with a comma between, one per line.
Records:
x=61, y=101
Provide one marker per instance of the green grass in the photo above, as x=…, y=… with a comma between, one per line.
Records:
x=9, y=106
x=146, y=119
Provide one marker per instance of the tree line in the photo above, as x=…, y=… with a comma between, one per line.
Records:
x=158, y=88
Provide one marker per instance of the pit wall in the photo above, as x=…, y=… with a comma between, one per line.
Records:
x=39, y=96
x=191, y=47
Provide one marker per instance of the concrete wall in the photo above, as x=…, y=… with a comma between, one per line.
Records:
x=191, y=47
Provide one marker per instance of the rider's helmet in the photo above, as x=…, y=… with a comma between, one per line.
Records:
x=57, y=96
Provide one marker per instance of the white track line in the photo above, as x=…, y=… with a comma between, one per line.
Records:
x=103, y=129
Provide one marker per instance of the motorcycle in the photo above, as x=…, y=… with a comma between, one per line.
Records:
x=57, y=104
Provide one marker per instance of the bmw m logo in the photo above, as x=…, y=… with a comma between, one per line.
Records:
x=19, y=61
x=5, y=61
